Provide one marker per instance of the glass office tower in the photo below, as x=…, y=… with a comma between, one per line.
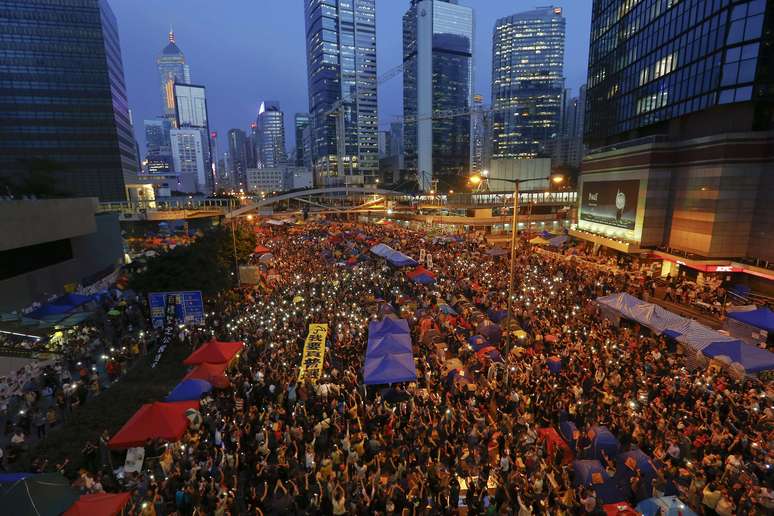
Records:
x=527, y=82
x=172, y=68
x=63, y=98
x=437, y=91
x=341, y=66
x=653, y=61
x=191, y=113
x=300, y=123
x=271, y=135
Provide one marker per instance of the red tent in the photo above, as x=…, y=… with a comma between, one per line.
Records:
x=619, y=509
x=553, y=440
x=213, y=373
x=99, y=504
x=418, y=271
x=158, y=420
x=214, y=352
x=259, y=249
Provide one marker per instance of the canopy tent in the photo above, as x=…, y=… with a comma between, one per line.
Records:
x=215, y=374
x=602, y=440
x=421, y=275
x=752, y=359
x=664, y=506
x=398, y=259
x=538, y=241
x=392, y=368
x=259, y=249
x=157, y=420
x=99, y=504
x=689, y=332
x=191, y=389
x=214, y=352
x=558, y=241
x=382, y=250
x=388, y=344
x=590, y=473
x=497, y=251
x=627, y=463
x=47, y=494
x=387, y=326
x=762, y=318
x=554, y=442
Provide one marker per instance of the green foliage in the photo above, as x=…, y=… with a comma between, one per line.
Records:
x=207, y=264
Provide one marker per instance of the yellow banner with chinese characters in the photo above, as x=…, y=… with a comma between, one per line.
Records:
x=314, y=353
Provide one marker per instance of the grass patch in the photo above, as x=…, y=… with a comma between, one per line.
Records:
x=110, y=410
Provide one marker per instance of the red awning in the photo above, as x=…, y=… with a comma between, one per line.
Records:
x=158, y=420
x=99, y=504
x=213, y=373
x=214, y=352
x=259, y=249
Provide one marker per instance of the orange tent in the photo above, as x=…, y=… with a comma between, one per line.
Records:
x=158, y=420
x=259, y=249
x=214, y=352
x=99, y=504
x=553, y=440
x=213, y=373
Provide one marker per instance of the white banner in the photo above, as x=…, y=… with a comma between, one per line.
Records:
x=134, y=459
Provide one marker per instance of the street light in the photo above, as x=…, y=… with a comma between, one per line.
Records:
x=475, y=180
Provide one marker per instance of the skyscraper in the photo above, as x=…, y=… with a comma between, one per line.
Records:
x=63, y=99
x=341, y=66
x=157, y=137
x=188, y=156
x=238, y=159
x=437, y=77
x=271, y=135
x=679, y=125
x=527, y=82
x=479, y=135
x=172, y=68
x=191, y=113
x=301, y=122
x=568, y=148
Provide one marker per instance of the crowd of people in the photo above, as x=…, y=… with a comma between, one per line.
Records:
x=271, y=445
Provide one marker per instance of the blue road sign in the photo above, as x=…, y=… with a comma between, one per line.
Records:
x=189, y=307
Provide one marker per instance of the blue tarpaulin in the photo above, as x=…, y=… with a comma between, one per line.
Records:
x=558, y=241
x=762, y=318
x=590, y=473
x=186, y=390
x=398, y=259
x=423, y=279
x=50, y=310
x=754, y=360
x=664, y=506
x=382, y=250
x=386, y=327
x=73, y=300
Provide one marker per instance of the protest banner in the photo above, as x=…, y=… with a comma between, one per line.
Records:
x=314, y=353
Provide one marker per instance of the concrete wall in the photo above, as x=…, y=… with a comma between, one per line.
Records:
x=24, y=223
x=93, y=251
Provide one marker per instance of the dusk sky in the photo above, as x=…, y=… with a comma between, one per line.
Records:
x=245, y=51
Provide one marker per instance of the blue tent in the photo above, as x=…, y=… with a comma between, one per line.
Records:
x=398, y=259
x=590, y=473
x=754, y=360
x=569, y=432
x=391, y=368
x=497, y=315
x=478, y=342
x=388, y=344
x=667, y=505
x=545, y=234
x=424, y=279
x=73, y=300
x=490, y=330
x=49, y=311
x=189, y=390
x=386, y=327
x=625, y=464
x=382, y=250
x=603, y=440
x=762, y=318
x=558, y=241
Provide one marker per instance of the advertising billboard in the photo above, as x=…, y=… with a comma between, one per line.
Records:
x=189, y=308
x=612, y=203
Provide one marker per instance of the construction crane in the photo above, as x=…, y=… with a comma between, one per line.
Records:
x=338, y=110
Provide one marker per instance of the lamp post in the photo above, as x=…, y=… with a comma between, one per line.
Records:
x=476, y=180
